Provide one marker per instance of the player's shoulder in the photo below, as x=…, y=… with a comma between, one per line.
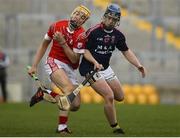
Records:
x=81, y=29
x=118, y=32
x=93, y=29
x=83, y=35
x=79, y=33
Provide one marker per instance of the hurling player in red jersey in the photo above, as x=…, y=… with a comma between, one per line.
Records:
x=62, y=60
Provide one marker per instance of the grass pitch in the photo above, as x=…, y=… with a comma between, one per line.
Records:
x=137, y=120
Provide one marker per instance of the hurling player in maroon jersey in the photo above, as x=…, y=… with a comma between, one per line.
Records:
x=102, y=40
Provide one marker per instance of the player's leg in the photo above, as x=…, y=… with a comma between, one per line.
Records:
x=75, y=105
x=67, y=87
x=51, y=67
x=119, y=96
x=117, y=89
x=3, y=86
x=67, y=83
x=65, y=78
x=59, y=76
x=101, y=87
x=58, y=72
x=61, y=80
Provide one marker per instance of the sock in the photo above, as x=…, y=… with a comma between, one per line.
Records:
x=53, y=94
x=62, y=122
x=63, y=119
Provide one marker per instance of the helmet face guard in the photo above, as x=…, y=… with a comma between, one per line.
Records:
x=113, y=11
x=81, y=11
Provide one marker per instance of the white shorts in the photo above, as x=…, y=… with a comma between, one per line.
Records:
x=108, y=74
x=54, y=64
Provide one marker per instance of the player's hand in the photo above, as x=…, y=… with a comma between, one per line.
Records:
x=32, y=70
x=142, y=70
x=58, y=36
x=98, y=66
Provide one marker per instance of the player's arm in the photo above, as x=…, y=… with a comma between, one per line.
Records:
x=88, y=56
x=73, y=57
x=40, y=52
x=38, y=56
x=44, y=45
x=130, y=56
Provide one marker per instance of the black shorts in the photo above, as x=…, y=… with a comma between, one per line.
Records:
x=85, y=67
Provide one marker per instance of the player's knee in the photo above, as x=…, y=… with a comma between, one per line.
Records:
x=109, y=98
x=76, y=103
x=75, y=107
x=120, y=98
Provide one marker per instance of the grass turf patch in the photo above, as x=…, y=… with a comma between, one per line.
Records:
x=137, y=120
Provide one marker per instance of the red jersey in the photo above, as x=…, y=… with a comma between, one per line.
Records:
x=72, y=40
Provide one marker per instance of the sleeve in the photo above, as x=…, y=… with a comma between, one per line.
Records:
x=50, y=32
x=79, y=46
x=121, y=44
x=89, y=41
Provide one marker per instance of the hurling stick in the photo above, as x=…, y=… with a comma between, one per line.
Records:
x=75, y=92
x=36, y=79
x=46, y=96
x=64, y=102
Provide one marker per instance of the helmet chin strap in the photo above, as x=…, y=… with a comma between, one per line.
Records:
x=108, y=28
x=72, y=25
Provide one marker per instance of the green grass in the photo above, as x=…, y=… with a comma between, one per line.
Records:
x=137, y=120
